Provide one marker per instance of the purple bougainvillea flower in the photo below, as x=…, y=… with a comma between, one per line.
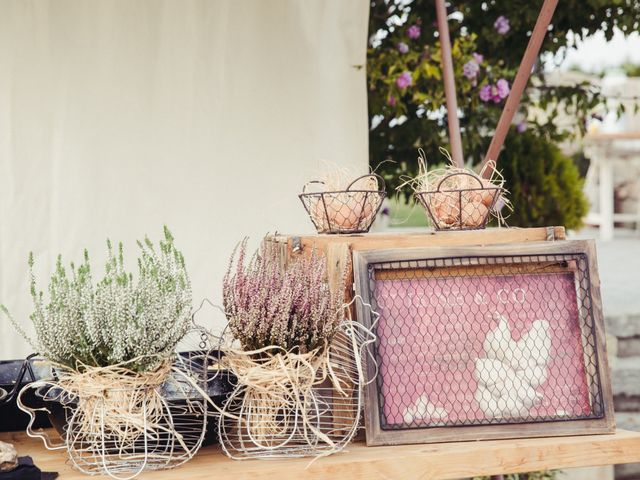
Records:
x=521, y=127
x=478, y=58
x=470, y=69
x=502, y=25
x=495, y=94
x=503, y=88
x=402, y=47
x=485, y=93
x=392, y=101
x=404, y=80
x=413, y=32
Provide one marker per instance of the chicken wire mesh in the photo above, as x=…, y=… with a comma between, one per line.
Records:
x=452, y=207
x=485, y=340
x=346, y=211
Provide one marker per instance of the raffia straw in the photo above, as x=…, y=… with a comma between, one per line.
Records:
x=120, y=405
x=272, y=376
x=277, y=397
x=129, y=403
x=503, y=201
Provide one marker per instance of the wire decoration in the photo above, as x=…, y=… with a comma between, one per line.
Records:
x=348, y=211
x=458, y=204
x=287, y=405
x=121, y=430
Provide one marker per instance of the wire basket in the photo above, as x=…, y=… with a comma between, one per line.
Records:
x=452, y=208
x=345, y=211
x=309, y=422
x=122, y=432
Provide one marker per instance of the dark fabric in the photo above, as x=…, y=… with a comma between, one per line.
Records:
x=27, y=471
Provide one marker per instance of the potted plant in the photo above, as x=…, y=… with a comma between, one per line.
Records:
x=296, y=358
x=112, y=345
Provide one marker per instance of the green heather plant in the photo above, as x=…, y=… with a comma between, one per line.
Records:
x=118, y=319
x=267, y=304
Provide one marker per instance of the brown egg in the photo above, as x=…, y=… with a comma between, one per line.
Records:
x=445, y=207
x=474, y=214
x=319, y=215
x=344, y=210
x=472, y=196
x=489, y=194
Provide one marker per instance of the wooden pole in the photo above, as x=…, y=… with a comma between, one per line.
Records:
x=449, y=85
x=520, y=82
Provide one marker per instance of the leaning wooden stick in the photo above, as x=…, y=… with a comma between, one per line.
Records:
x=519, y=84
x=449, y=85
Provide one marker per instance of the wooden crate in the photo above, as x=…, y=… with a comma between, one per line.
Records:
x=338, y=249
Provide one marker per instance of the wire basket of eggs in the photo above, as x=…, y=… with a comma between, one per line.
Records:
x=344, y=211
x=460, y=201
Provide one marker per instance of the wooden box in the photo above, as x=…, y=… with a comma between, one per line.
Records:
x=340, y=251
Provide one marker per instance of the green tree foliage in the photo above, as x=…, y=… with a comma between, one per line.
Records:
x=545, y=185
x=409, y=112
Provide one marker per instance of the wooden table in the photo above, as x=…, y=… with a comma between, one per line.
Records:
x=410, y=462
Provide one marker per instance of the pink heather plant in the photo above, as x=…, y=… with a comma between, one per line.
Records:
x=268, y=304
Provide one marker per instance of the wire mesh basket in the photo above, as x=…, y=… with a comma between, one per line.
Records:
x=123, y=431
x=309, y=422
x=166, y=439
x=345, y=211
x=450, y=207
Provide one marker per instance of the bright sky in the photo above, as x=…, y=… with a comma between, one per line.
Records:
x=596, y=54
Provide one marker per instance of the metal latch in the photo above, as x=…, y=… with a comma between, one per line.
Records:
x=296, y=244
x=551, y=234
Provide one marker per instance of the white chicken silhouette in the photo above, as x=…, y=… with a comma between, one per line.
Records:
x=424, y=410
x=509, y=374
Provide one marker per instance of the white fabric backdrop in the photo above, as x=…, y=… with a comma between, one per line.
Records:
x=117, y=117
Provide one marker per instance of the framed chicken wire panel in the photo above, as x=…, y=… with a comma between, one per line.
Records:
x=487, y=342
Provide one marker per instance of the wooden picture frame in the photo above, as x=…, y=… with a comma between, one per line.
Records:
x=572, y=398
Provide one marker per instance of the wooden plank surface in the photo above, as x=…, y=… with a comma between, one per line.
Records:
x=378, y=241
x=415, y=462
